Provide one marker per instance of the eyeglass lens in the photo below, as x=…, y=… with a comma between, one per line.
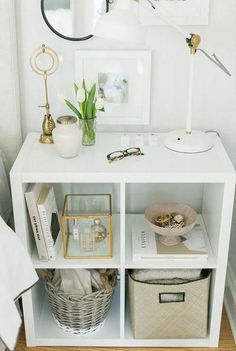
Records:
x=118, y=155
x=133, y=151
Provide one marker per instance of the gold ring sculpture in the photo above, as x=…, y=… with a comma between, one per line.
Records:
x=48, y=123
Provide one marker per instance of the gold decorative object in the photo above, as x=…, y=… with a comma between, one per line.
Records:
x=45, y=68
x=91, y=215
x=194, y=43
x=99, y=230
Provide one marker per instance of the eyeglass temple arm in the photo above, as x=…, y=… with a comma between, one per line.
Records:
x=193, y=40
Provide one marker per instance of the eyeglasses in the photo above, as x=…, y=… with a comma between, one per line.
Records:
x=119, y=155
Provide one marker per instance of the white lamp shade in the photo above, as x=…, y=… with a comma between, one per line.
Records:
x=120, y=24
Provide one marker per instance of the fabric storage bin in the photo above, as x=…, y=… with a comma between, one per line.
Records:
x=80, y=315
x=169, y=310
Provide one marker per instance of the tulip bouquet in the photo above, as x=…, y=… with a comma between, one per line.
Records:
x=89, y=103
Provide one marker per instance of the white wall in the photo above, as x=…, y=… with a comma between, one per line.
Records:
x=10, y=128
x=214, y=103
x=215, y=93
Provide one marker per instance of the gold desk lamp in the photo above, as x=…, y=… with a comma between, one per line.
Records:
x=45, y=62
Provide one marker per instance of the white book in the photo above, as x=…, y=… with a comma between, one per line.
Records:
x=49, y=218
x=31, y=196
x=143, y=242
x=146, y=245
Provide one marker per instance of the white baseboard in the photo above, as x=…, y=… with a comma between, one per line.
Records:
x=230, y=299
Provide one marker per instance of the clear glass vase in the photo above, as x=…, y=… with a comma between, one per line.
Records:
x=88, y=126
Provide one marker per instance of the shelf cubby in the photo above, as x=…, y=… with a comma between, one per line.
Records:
x=162, y=263
x=61, y=262
x=47, y=332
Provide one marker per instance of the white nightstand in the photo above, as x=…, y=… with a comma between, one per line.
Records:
x=205, y=181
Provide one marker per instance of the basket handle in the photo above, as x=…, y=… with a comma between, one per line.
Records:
x=171, y=297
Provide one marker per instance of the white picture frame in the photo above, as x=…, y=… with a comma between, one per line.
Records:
x=180, y=12
x=124, y=81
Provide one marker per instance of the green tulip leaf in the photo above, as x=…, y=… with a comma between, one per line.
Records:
x=73, y=108
x=94, y=111
x=90, y=102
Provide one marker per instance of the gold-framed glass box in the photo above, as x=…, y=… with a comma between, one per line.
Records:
x=87, y=226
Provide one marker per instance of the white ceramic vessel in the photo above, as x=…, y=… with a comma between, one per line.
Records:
x=67, y=136
x=170, y=236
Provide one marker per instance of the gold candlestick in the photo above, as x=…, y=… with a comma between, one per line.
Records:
x=48, y=122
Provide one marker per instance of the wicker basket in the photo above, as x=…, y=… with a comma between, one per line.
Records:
x=80, y=315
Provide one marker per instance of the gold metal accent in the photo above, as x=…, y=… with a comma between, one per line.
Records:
x=48, y=123
x=194, y=43
x=67, y=120
x=47, y=126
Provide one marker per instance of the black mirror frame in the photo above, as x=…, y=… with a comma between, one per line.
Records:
x=61, y=35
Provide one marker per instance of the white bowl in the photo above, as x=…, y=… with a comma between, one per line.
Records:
x=170, y=236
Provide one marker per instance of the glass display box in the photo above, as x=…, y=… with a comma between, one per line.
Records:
x=87, y=226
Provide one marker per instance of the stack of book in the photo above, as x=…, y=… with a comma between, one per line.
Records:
x=42, y=208
x=147, y=246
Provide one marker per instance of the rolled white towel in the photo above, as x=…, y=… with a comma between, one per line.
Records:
x=76, y=281
x=144, y=275
x=96, y=280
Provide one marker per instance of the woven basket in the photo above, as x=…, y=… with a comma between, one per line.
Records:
x=76, y=314
x=154, y=317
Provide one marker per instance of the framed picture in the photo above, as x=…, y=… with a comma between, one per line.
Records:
x=123, y=80
x=181, y=12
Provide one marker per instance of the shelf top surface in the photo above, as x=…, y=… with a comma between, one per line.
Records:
x=37, y=162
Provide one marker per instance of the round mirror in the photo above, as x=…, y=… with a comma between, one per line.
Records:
x=73, y=19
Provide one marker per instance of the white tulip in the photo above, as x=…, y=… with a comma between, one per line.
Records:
x=99, y=104
x=81, y=95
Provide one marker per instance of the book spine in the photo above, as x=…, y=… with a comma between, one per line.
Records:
x=36, y=226
x=47, y=233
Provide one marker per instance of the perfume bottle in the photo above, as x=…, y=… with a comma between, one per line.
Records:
x=99, y=230
x=87, y=240
x=75, y=229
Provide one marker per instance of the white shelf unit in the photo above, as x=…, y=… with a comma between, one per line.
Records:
x=205, y=181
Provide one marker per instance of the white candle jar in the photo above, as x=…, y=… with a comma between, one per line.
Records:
x=67, y=136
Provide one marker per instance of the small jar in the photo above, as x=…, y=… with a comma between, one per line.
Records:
x=99, y=230
x=67, y=136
